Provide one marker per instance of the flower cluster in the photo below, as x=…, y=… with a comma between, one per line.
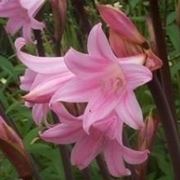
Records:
x=104, y=78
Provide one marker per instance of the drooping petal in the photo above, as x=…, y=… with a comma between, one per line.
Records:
x=134, y=157
x=44, y=65
x=76, y=90
x=136, y=75
x=62, y=134
x=86, y=149
x=43, y=91
x=99, y=106
x=119, y=22
x=98, y=44
x=129, y=111
x=114, y=160
x=83, y=65
x=39, y=112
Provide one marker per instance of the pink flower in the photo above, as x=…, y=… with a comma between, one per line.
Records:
x=124, y=37
x=42, y=78
x=104, y=81
x=105, y=137
x=39, y=110
x=52, y=74
x=20, y=14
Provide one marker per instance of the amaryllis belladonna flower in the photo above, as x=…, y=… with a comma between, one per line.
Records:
x=39, y=110
x=124, y=37
x=104, y=81
x=105, y=137
x=20, y=14
x=52, y=73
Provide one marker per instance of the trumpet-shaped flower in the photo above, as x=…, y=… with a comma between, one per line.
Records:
x=51, y=74
x=104, y=81
x=105, y=137
x=20, y=14
x=124, y=37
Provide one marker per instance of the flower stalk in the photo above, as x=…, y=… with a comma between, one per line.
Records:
x=167, y=120
x=161, y=48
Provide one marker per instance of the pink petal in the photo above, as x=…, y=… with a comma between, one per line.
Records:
x=8, y=9
x=83, y=65
x=99, y=106
x=32, y=6
x=39, y=112
x=13, y=25
x=64, y=116
x=98, y=44
x=43, y=91
x=136, y=75
x=138, y=59
x=76, y=90
x=114, y=159
x=44, y=65
x=27, y=32
x=119, y=22
x=27, y=80
x=86, y=149
x=62, y=134
x=129, y=111
x=134, y=157
x=37, y=25
x=111, y=126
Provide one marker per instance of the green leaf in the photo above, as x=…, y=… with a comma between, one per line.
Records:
x=6, y=66
x=174, y=35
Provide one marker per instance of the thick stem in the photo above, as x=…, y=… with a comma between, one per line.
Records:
x=167, y=120
x=65, y=154
x=103, y=168
x=82, y=21
x=81, y=16
x=162, y=53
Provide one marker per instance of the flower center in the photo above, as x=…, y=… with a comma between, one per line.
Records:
x=113, y=79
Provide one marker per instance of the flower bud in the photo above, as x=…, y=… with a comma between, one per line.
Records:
x=12, y=146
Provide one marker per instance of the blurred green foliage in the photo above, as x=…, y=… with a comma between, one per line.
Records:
x=47, y=156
